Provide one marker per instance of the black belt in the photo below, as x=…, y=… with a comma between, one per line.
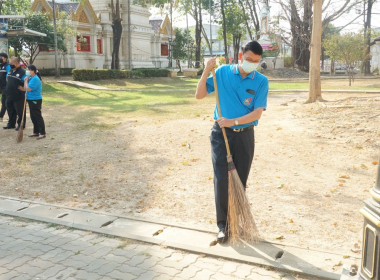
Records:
x=240, y=129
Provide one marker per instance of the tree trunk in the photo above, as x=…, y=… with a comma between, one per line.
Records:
x=315, y=74
x=254, y=17
x=224, y=31
x=117, y=30
x=367, y=35
x=236, y=43
x=198, y=33
x=206, y=38
x=246, y=20
x=332, y=67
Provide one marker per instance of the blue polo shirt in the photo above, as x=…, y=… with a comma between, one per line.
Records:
x=36, y=87
x=239, y=96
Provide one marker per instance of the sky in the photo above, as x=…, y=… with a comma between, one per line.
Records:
x=179, y=20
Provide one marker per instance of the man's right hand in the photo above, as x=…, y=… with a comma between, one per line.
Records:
x=211, y=64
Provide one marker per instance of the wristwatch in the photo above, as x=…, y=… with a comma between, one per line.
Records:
x=236, y=122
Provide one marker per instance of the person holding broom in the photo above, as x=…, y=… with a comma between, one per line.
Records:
x=243, y=97
x=33, y=88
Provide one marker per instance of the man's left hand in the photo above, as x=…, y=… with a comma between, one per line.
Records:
x=223, y=122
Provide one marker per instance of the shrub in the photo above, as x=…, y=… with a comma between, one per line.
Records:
x=51, y=71
x=104, y=74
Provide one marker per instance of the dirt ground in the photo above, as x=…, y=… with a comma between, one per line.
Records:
x=314, y=166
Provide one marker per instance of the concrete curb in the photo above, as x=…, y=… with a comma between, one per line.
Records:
x=294, y=259
x=95, y=87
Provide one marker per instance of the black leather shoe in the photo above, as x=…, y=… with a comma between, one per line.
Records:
x=8, y=127
x=222, y=236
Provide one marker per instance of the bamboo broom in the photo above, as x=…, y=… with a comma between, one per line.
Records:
x=240, y=222
x=20, y=132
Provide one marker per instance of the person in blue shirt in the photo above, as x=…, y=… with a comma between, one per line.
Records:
x=15, y=94
x=243, y=96
x=4, y=70
x=33, y=88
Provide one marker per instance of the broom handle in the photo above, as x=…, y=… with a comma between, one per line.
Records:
x=23, y=112
x=220, y=112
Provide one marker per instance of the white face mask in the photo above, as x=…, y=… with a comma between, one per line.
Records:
x=27, y=73
x=248, y=67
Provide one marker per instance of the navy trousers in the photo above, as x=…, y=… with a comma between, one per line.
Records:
x=242, y=146
x=3, y=103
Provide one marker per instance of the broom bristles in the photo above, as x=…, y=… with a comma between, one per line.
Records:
x=241, y=224
x=20, y=134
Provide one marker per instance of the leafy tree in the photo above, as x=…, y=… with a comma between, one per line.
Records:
x=299, y=14
x=32, y=44
x=14, y=7
x=347, y=48
x=181, y=41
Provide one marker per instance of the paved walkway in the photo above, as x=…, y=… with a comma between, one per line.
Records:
x=31, y=250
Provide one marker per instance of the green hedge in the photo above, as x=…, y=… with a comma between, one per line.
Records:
x=104, y=74
x=51, y=71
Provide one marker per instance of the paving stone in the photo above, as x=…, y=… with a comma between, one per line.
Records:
x=95, y=265
x=22, y=277
x=9, y=275
x=243, y=270
x=189, y=272
x=107, y=268
x=229, y=267
x=82, y=274
x=116, y=274
x=205, y=274
x=62, y=257
x=52, y=271
x=167, y=270
x=135, y=270
x=124, y=253
x=66, y=273
x=18, y=262
x=222, y=276
x=29, y=270
x=114, y=258
x=160, y=252
x=167, y=277
x=102, y=252
x=148, y=275
x=149, y=262
x=207, y=265
x=137, y=260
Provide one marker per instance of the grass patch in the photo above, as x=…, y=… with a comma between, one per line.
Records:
x=97, y=102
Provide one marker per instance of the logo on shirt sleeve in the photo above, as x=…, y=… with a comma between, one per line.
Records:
x=247, y=101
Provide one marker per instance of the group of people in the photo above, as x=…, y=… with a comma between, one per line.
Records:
x=18, y=85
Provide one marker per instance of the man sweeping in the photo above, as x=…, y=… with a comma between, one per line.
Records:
x=243, y=96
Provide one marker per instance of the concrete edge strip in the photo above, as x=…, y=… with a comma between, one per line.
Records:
x=94, y=87
x=150, y=222
x=107, y=214
x=174, y=245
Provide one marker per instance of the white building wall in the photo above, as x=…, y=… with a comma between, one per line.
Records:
x=375, y=59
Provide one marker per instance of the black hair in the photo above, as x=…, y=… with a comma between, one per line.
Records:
x=254, y=47
x=34, y=69
x=4, y=55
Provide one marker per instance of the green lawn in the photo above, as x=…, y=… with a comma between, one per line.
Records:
x=124, y=102
x=147, y=101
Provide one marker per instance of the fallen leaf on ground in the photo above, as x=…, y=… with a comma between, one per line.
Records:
x=291, y=221
x=344, y=177
x=335, y=224
x=375, y=162
x=194, y=159
x=339, y=263
x=280, y=237
x=345, y=257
